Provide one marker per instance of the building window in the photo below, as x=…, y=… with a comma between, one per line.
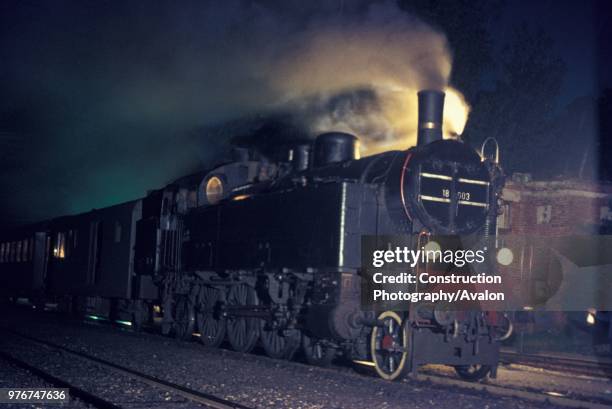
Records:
x=543, y=214
x=117, y=232
x=59, y=249
x=503, y=220
x=605, y=215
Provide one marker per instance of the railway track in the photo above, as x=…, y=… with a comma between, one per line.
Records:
x=191, y=395
x=80, y=393
x=589, y=367
x=508, y=392
x=431, y=378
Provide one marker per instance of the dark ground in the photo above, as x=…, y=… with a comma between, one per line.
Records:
x=252, y=379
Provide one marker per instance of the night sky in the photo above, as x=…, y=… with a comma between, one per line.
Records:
x=575, y=27
x=102, y=100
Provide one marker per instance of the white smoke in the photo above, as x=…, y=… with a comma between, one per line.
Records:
x=355, y=69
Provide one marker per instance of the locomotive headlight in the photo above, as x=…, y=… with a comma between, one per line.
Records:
x=214, y=190
x=505, y=256
x=590, y=319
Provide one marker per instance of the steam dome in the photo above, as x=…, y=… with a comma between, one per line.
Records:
x=334, y=147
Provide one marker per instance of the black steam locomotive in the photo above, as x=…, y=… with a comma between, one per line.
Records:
x=268, y=252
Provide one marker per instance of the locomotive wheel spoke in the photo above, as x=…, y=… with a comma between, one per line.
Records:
x=242, y=332
x=210, y=320
x=184, y=318
x=389, y=362
x=278, y=345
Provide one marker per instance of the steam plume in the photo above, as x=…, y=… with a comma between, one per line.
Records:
x=106, y=98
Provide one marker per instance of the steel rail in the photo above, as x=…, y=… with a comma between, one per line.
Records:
x=190, y=394
x=76, y=391
x=590, y=367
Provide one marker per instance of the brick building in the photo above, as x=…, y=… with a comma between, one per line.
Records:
x=537, y=216
x=554, y=208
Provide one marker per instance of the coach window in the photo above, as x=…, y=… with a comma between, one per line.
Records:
x=1, y=252
x=59, y=250
x=117, y=232
x=62, y=245
x=164, y=209
x=68, y=243
x=19, y=246
x=192, y=199
x=31, y=255
x=24, y=250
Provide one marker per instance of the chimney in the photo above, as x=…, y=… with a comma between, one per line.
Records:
x=431, y=107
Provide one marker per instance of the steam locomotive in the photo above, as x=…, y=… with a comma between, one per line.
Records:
x=259, y=252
